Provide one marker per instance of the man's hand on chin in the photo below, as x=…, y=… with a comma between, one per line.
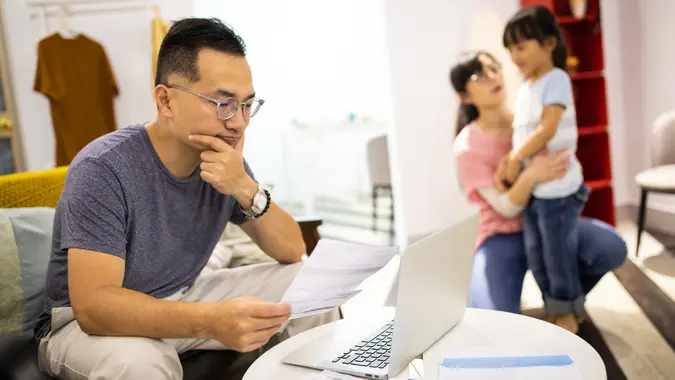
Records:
x=223, y=167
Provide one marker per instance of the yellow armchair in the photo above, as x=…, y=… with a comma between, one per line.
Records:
x=32, y=189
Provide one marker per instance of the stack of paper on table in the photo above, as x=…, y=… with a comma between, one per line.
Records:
x=330, y=276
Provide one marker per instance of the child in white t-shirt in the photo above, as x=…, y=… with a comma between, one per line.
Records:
x=545, y=119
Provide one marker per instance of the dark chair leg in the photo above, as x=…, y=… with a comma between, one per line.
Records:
x=391, y=218
x=310, y=233
x=374, y=208
x=641, y=220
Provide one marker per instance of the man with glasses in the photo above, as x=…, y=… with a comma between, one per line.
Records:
x=128, y=289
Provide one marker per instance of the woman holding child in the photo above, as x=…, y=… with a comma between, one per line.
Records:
x=525, y=164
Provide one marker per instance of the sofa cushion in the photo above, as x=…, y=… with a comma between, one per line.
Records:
x=11, y=290
x=25, y=245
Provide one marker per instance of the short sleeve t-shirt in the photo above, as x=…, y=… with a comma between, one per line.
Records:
x=555, y=87
x=76, y=77
x=478, y=155
x=120, y=199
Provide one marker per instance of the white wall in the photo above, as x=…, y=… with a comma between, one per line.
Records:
x=424, y=39
x=618, y=62
x=314, y=63
x=128, y=49
x=639, y=86
x=314, y=60
x=658, y=91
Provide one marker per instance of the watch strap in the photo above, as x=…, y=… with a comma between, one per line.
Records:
x=269, y=202
x=251, y=213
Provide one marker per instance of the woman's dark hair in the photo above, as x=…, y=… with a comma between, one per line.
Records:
x=460, y=74
x=537, y=23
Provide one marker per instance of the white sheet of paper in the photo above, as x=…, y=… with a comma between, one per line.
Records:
x=330, y=276
x=329, y=375
x=325, y=303
x=486, y=367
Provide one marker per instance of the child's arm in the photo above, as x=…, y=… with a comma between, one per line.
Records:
x=543, y=168
x=536, y=141
x=557, y=96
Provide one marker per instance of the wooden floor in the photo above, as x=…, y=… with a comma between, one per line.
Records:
x=632, y=311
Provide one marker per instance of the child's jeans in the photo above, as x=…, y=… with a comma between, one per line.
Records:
x=551, y=236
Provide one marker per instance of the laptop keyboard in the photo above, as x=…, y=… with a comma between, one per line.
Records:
x=372, y=352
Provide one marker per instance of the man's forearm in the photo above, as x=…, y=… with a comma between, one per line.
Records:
x=278, y=235
x=124, y=312
x=276, y=232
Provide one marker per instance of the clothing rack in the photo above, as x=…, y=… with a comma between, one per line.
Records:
x=63, y=9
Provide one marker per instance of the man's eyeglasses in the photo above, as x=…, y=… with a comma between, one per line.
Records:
x=227, y=107
x=492, y=71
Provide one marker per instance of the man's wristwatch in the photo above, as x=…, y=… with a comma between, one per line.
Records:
x=260, y=205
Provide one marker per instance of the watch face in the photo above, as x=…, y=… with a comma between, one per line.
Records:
x=260, y=201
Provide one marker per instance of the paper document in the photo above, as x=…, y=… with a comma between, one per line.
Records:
x=330, y=276
x=329, y=375
x=553, y=367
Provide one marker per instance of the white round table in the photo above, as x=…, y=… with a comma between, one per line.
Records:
x=510, y=334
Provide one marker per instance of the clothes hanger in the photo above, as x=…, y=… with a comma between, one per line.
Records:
x=64, y=30
x=45, y=20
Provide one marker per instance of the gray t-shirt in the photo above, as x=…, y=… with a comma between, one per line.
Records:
x=120, y=199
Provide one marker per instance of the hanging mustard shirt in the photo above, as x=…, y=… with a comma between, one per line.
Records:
x=76, y=77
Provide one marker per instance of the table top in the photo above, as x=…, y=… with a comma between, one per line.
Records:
x=517, y=334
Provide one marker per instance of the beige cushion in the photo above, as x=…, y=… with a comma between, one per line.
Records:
x=11, y=297
x=25, y=243
x=660, y=178
x=663, y=140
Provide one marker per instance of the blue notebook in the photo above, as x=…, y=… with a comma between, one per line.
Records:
x=551, y=367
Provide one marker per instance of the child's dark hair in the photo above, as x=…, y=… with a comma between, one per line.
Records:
x=539, y=23
x=460, y=74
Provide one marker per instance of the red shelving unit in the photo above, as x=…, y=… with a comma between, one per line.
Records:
x=584, y=41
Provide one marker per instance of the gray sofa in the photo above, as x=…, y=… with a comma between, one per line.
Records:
x=25, y=242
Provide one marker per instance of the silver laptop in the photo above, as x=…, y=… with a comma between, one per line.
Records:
x=432, y=295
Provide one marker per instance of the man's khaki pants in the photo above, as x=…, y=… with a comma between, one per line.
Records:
x=69, y=353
